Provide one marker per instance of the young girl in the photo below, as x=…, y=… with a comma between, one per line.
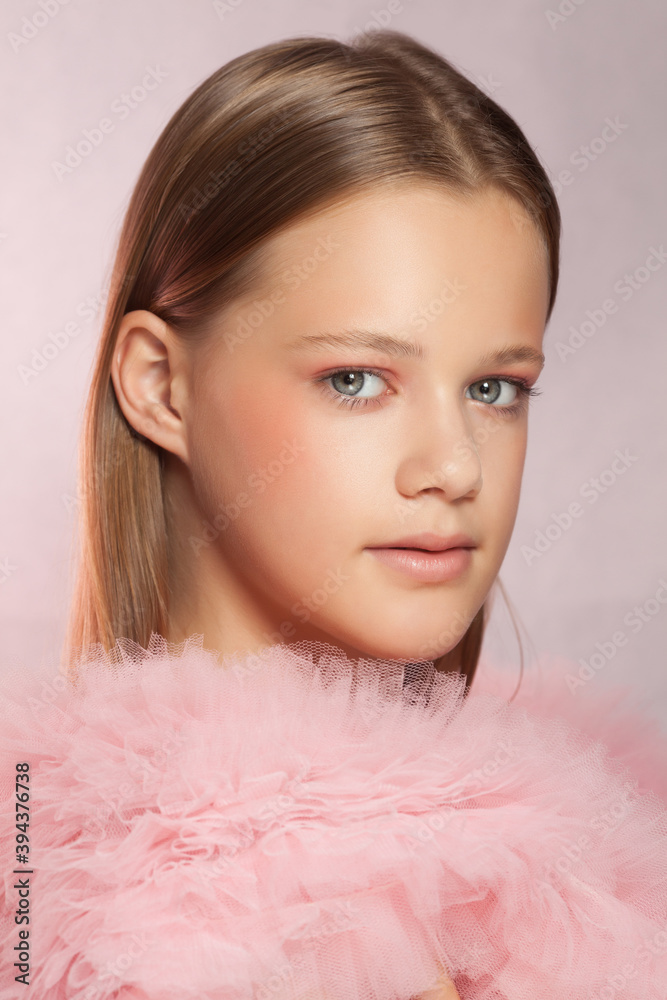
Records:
x=269, y=773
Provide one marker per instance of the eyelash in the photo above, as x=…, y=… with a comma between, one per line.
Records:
x=526, y=391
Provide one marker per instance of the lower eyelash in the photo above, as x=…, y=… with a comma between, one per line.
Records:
x=351, y=401
x=526, y=391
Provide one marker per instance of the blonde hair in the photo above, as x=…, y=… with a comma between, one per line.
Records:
x=273, y=134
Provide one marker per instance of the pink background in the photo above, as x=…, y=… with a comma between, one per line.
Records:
x=562, y=69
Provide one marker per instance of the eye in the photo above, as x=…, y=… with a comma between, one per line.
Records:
x=491, y=390
x=507, y=395
x=366, y=387
x=355, y=386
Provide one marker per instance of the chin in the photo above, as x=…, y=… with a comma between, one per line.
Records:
x=410, y=626
x=414, y=632
x=388, y=644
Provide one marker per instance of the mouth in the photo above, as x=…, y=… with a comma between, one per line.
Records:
x=425, y=565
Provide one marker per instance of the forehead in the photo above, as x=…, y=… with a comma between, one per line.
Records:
x=400, y=222
x=397, y=241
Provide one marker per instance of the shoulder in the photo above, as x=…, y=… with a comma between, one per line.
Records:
x=608, y=713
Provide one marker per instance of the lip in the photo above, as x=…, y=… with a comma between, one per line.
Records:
x=444, y=558
x=427, y=540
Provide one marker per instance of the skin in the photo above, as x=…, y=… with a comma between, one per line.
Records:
x=459, y=277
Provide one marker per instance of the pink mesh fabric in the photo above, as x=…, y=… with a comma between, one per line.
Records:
x=297, y=825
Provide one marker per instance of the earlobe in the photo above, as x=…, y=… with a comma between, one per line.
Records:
x=146, y=368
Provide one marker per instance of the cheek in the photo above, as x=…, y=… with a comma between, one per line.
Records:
x=316, y=498
x=267, y=450
x=502, y=458
x=235, y=435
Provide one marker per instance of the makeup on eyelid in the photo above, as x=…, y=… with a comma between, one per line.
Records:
x=524, y=391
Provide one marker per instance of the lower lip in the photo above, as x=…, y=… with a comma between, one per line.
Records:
x=429, y=567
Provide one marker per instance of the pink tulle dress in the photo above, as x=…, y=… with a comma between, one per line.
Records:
x=297, y=825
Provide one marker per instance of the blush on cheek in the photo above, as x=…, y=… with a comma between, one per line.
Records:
x=269, y=434
x=242, y=439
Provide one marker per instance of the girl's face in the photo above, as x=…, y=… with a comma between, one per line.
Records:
x=373, y=389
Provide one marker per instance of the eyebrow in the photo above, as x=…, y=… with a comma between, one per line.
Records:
x=357, y=340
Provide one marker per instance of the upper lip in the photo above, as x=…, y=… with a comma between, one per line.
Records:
x=427, y=540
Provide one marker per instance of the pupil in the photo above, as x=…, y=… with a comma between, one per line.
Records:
x=486, y=389
x=349, y=379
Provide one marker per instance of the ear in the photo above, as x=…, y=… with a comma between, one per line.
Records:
x=148, y=371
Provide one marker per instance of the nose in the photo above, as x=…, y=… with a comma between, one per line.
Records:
x=441, y=454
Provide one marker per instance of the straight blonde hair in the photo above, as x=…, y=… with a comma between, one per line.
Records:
x=271, y=135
